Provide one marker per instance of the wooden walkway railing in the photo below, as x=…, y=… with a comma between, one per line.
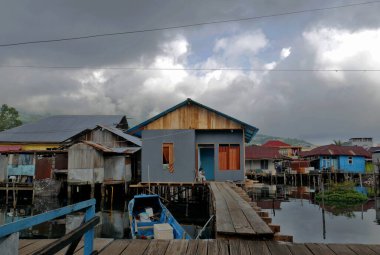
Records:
x=72, y=238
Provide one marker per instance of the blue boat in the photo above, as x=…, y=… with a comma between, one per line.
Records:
x=145, y=211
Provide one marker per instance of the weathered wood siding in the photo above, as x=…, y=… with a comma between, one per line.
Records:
x=3, y=168
x=192, y=117
x=106, y=138
x=115, y=168
x=83, y=156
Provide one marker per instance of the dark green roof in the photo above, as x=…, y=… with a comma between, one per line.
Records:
x=249, y=130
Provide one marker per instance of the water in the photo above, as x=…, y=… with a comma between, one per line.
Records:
x=306, y=221
x=114, y=219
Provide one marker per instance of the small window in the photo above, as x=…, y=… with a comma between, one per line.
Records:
x=350, y=160
x=264, y=164
x=168, y=157
x=229, y=157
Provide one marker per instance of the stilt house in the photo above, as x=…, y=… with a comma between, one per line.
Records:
x=189, y=137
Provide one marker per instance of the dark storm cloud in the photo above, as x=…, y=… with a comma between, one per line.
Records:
x=311, y=105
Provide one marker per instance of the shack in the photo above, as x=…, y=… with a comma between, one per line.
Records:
x=189, y=137
x=104, y=156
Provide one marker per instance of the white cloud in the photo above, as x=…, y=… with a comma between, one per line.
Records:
x=244, y=45
x=285, y=52
x=344, y=49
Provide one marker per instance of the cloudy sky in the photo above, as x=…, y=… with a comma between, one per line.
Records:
x=314, y=105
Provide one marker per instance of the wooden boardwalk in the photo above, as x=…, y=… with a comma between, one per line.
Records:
x=235, y=217
x=208, y=247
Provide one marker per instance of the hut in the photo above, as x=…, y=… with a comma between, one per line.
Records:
x=104, y=156
x=189, y=137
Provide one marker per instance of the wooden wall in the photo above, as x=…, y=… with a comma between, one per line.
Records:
x=106, y=138
x=83, y=156
x=192, y=117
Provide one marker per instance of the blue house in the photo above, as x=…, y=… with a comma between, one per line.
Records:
x=189, y=137
x=347, y=159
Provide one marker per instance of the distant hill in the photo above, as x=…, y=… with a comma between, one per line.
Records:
x=28, y=117
x=261, y=139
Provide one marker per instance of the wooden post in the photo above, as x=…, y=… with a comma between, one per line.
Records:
x=68, y=192
x=92, y=190
x=6, y=193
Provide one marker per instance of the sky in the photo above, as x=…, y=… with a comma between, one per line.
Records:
x=318, y=106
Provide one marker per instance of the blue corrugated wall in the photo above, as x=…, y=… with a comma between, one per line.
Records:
x=357, y=165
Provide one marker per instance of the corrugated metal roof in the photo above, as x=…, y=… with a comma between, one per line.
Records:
x=336, y=150
x=276, y=144
x=255, y=152
x=105, y=149
x=249, y=131
x=56, y=129
x=118, y=132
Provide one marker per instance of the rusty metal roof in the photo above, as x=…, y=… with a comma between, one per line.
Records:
x=120, y=133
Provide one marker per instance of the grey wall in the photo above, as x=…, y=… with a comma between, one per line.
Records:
x=184, y=155
x=223, y=137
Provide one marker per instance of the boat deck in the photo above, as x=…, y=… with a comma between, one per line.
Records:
x=208, y=247
x=235, y=217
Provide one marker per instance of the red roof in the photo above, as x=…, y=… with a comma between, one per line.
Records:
x=336, y=150
x=260, y=152
x=275, y=144
x=8, y=148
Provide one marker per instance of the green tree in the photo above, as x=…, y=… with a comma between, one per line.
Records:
x=338, y=142
x=9, y=117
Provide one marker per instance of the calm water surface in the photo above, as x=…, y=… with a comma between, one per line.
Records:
x=308, y=222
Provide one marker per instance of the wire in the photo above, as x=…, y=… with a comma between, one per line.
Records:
x=188, y=69
x=187, y=25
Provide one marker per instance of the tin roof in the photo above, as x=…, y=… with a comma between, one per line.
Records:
x=120, y=133
x=105, y=149
x=259, y=152
x=276, y=144
x=56, y=129
x=249, y=130
x=337, y=150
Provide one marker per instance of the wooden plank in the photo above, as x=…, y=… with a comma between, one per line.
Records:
x=375, y=248
x=156, y=247
x=234, y=247
x=299, y=249
x=223, y=247
x=257, y=224
x=192, y=247
x=320, y=249
x=212, y=247
x=244, y=247
x=79, y=247
x=276, y=248
x=25, y=242
x=240, y=222
x=35, y=246
x=177, y=247
x=136, y=247
x=258, y=247
x=116, y=247
x=99, y=245
x=361, y=249
x=202, y=247
x=341, y=249
x=223, y=217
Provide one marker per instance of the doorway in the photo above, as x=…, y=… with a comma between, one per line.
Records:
x=206, y=155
